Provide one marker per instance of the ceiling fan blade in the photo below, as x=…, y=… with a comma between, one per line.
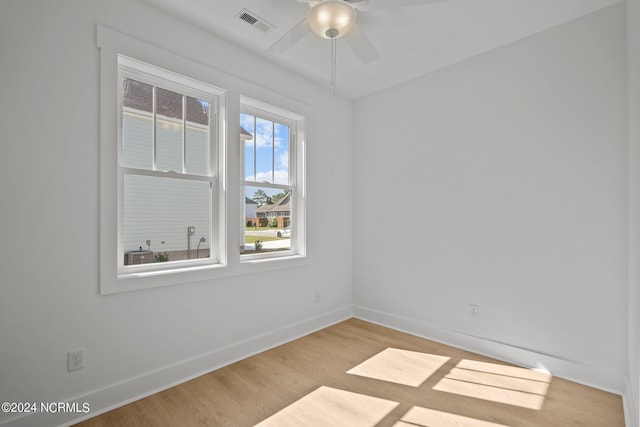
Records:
x=361, y=45
x=292, y=37
x=392, y=4
x=358, y=4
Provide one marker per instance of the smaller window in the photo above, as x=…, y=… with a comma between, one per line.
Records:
x=271, y=181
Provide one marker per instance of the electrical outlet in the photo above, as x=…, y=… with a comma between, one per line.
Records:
x=474, y=311
x=75, y=360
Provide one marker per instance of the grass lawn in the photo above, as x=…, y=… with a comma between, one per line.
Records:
x=260, y=228
x=252, y=239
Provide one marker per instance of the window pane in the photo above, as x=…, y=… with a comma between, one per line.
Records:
x=266, y=154
x=168, y=130
x=264, y=150
x=267, y=221
x=158, y=213
x=197, y=138
x=281, y=154
x=137, y=124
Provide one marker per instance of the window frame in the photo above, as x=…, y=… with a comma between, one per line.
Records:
x=134, y=69
x=110, y=44
x=296, y=174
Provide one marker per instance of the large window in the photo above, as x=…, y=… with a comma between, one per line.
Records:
x=271, y=182
x=168, y=176
x=164, y=162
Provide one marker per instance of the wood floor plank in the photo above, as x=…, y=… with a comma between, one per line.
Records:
x=309, y=378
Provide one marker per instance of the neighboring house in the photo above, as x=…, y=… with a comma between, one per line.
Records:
x=244, y=134
x=250, y=207
x=280, y=209
x=157, y=213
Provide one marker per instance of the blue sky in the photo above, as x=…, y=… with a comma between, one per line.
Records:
x=270, y=149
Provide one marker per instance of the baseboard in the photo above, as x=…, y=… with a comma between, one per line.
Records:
x=593, y=376
x=120, y=394
x=629, y=401
x=116, y=395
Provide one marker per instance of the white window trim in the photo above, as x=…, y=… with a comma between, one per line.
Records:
x=137, y=70
x=296, y=123
x=111, y=43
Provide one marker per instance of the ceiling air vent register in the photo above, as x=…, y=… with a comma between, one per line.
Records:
x=254, y=20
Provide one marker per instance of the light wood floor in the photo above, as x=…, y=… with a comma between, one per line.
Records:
x=405, y=381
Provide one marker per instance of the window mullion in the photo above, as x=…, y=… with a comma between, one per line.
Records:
x=154, y=151
x=255, y=149
x=184, y=134
x=284, y=187
x=166, y=174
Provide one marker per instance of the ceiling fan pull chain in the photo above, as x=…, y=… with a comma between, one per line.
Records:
x=333, y=64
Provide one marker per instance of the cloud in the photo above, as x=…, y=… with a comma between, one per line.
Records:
x=266, y=133
x=283, y=160
x=280, y=177
x=246, y=121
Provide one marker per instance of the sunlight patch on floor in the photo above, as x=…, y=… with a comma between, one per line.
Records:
x=498, y=383
x=331, y=407
x=424, y=417
x=398, y=366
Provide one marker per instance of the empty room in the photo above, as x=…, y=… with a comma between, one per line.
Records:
x=403, y=213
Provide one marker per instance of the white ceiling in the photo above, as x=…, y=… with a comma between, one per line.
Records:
x=411, y=40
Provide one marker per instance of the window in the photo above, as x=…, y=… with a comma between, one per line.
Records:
x=164, y=185
x=168, y=209
x=271, y=181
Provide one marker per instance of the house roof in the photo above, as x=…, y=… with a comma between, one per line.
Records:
x=244, y=134
x=248, y=201
x=283, y=204
x=139, y=96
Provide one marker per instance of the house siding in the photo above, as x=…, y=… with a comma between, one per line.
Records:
x=159, y=210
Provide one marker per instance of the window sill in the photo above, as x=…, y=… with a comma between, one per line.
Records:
x=289, y=259
x=263, y=265
x=130, y=282
x=165, y=271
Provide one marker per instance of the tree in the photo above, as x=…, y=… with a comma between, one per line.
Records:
x=261, y=198
x=276, y=197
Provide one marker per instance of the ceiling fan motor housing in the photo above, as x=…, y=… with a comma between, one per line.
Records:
x=331, y=18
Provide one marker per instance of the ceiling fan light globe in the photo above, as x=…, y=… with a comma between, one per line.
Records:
x=331, y=15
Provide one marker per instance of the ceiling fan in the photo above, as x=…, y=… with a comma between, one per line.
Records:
x=332, y=19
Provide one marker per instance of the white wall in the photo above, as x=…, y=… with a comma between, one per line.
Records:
x=633, y=57
x=49, y=168
x=515, y=161
x=515, y=158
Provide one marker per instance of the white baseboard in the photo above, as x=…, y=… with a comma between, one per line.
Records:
x=630, y=406
x=116, y=395
x=113, y=396
x=593, y=376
